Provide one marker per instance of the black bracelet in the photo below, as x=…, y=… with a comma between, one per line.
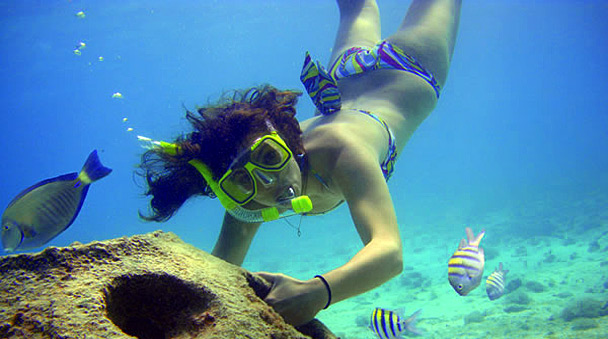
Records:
x=328, y=290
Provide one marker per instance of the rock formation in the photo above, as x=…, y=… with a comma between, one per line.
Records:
x=146, y=286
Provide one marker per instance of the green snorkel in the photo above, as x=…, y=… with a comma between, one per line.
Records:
x=292, y=206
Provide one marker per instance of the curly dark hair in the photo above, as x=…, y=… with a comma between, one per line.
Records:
x=220, y=131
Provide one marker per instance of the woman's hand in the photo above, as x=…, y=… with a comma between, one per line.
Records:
x=296, y=300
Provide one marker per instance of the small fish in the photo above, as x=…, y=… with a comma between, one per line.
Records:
x=390, y=325
x=465, y=267
x=495, y=284
x=80, y=15
x=44, y=210
x=117, y=95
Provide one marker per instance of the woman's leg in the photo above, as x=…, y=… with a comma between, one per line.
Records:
x=359, y=26
x=428, y=33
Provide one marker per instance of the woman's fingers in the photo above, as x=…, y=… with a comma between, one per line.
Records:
x=270, y=277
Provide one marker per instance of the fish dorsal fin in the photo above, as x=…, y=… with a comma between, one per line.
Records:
x=501, y=270
x=463, y=244
x=64, y=177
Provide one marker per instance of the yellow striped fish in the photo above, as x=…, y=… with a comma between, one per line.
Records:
x=465, y=267
x=495, y=284
x=44, y=210
x=391, y=324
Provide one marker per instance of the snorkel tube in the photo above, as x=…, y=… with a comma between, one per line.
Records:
x=291, y=205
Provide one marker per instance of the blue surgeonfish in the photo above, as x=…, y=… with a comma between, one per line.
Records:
x=44, y=210
x=495, y=284
x=465, y=267
x=392, y=324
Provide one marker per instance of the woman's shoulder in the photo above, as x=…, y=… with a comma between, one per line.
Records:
x=335, y=146
x=327, y=134
x=344, y=130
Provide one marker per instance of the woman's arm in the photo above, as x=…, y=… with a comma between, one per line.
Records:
x=359, y=176
x=234, y=240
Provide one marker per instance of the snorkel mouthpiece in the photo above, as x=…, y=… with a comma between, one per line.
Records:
x=301, y=204
x=298, y=205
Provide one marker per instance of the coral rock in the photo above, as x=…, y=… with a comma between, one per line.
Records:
x=535, y=286
x=583, y=308
x=145, y=286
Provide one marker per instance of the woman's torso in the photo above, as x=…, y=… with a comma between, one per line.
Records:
x=400, y=99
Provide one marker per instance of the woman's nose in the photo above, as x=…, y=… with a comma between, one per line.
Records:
x=265, y=178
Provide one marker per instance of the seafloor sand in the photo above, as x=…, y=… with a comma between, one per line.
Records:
x=560, y=260
x=550, y=287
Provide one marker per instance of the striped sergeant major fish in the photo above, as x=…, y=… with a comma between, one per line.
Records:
x=44, y=210
x=391, y=324
x=465, y=267
x=495, y=284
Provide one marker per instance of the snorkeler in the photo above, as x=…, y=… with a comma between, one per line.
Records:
x=249, y=151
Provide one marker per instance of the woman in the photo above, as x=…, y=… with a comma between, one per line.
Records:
x=251, y=153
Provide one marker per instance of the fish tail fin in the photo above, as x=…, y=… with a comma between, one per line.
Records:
x=410, y=322
x=93, y=170
x=474, y=240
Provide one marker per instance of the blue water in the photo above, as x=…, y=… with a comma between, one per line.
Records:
x=522, y=121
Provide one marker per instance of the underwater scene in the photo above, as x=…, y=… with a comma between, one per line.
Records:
x=513, y=159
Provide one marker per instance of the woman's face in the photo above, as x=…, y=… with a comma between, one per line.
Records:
x=263, y=152
x=282, y=181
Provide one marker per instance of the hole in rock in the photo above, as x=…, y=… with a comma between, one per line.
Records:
x=152, y=306
x=259, y=285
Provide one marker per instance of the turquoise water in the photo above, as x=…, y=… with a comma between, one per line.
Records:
x=517, y=145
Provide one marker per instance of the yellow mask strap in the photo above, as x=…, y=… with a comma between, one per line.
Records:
x=174, y=149
x=204, y=170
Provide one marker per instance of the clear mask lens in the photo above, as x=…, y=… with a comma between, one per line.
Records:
x=239, y=185
x=269, y=154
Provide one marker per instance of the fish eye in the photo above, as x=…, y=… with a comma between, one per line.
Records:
x=460, y=286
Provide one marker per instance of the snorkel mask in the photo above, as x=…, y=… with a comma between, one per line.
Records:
x=238, y=186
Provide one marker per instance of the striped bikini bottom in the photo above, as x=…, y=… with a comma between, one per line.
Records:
x=322, y=86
